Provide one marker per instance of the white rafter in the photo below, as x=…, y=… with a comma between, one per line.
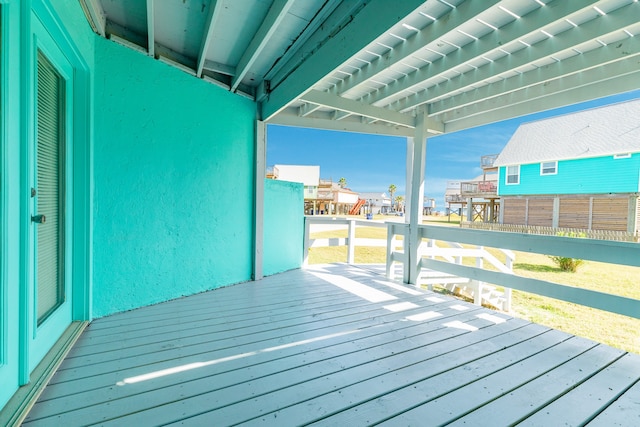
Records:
x=214, y=13
x=350, y=106
x=151, y=38
x=276, y=14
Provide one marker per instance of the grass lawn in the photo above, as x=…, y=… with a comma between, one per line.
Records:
x=615, y=330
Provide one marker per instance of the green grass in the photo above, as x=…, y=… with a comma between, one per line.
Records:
x=612, y=329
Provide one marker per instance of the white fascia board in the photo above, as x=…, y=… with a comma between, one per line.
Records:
x=276, y=14
x=592, y=84
x=374, y=19
x=419, y=40
x=481, y=47
x=336, y=102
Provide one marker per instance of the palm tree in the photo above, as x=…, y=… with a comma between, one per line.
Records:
x=342, y=182
x=399, y=202
x=392, y=190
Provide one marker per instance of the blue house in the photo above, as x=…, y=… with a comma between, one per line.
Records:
x=579, y=170
x=132, y=165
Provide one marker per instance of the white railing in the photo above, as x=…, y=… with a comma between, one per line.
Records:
x=622, y=253
x=351, y=241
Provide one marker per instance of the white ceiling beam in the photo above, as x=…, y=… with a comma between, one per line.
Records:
x=598, y=82
x=375, y=18
x=96, y=15
x=430, y=33
x=320, y=120
x=268, y=28
x=151, y=39
x=317, y=21
x=596, y=28
x=336, y=102
x=215, y=9
x=604, y=57
x=217, y=67
x=306, y=109
x=492, y=41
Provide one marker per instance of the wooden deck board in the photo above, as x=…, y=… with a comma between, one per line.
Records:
x=336, y=345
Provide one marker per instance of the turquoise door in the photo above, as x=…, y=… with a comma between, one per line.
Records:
x=51, y=305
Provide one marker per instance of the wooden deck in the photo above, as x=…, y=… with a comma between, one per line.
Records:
x=334, y=345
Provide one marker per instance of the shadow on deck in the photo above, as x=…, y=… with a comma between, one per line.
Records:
x=334, y=345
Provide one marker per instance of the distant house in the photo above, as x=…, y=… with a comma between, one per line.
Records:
x=578, y=170
x=376, y=202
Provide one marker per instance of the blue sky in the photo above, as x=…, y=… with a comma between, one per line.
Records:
x=370, y=163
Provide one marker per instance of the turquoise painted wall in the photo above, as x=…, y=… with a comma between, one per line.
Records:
x=283, y=226
x=174, y=183
x=597, y=175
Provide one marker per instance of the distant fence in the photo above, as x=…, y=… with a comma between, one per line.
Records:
x=618, y=236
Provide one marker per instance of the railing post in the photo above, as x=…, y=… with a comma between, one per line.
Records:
x=390, y=249
x=477, y=298
x=351, y=241
x=305, y=255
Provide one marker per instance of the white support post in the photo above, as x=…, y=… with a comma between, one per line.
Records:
x=407, y=192
x=391, y=246
x=412, y=269
x=260, y=174
x=352, y=241
x=477, y=298
x=307, y=243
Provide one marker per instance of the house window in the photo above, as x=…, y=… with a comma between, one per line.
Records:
x=622, y=156
x=513, y=175
x=548, y=168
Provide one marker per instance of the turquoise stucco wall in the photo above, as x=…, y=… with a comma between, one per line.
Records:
x=174, y=182
x=597, y=175
x=283, y=226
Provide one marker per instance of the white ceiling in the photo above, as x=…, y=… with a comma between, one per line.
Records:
x=375, y=66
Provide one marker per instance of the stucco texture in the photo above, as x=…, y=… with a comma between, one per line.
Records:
x=174, y=183
x=283, y=226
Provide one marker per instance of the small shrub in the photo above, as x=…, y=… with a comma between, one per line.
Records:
x=567, y=264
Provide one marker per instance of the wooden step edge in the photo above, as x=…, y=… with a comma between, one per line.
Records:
x=18, y=407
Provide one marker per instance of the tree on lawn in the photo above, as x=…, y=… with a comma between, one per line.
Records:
x=392, y=190
x=399, y=203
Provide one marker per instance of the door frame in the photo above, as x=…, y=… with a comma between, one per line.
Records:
x=79, y=190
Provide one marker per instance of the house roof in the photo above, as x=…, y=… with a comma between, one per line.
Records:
x=307, y=175
x=389, y=67
x=613, y=129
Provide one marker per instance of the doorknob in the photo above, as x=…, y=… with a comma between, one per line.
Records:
x=39, y=219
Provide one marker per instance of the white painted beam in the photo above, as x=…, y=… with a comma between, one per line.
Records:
x=151, y=38
x=419, y=40
x=374, y=18
x=96, y=15
x=217, y=67
x=277, y=12
x=491, y=42
x=306, y=109
x=626, y=51
x=596, y=28
x=320, y=120
x=336, y=102
x=214, y=13
x=581, y=87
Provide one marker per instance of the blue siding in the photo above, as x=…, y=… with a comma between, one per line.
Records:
x=597, y=175
x=283, y=226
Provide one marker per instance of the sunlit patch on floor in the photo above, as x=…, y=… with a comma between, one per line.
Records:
x=401, y=306
x=491, y=318
x=460, y=325
x=459, y=307
x=435, y=299
x=363, y=291
x=424, y=316
x=401, y=288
